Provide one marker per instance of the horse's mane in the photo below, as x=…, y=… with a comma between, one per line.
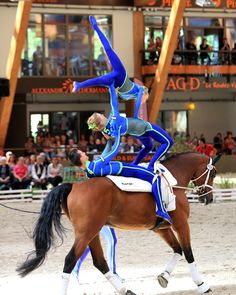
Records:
x=173, y=156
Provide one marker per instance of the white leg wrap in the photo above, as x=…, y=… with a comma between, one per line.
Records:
x=195, y=273
x=172, y=263
x=166, y=275
x=203, y=288
x=65, y=279
x=116, y=283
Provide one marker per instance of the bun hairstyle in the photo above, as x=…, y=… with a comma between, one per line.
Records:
x=74, y=157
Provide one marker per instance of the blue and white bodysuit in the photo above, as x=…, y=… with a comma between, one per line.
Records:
x=127, y=89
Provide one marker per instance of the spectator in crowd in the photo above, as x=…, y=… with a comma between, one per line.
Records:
x=39, y=173
x=47, y=147
x=233, y=55
x=225, y=53
x=188, y=142
x=11, y=160
x=205, y=148
x=123, y=142
x=32, y=161
x=29, y=147
x=130, y=146
x=158, y=46
x=83, y=143
x=99, y=147
x=152, y=49
x=228, y=143
x=46, y=161
x=37, y=62
x=20, y=175
x=218, y=143
x=204, y=49
x=5, y=174
x=39, y=144
x=91, y=143
x=55, y=172
x=178, y=56
x=192, y=55
x=62, y=148
x=102, y=63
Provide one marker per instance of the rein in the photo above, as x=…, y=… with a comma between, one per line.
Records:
x=208, y=170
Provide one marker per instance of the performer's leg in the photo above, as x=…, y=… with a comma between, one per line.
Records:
x=109, y=235
x=147, y=147
x=115, y=61
x=80, y=261
x=159, y=135
x=156, y=189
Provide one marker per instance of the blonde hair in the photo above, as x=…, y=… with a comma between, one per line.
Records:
x=94, y=121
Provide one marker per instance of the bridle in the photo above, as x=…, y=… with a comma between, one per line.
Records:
x=201, y=188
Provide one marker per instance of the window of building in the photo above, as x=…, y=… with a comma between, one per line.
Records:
x=69, y=46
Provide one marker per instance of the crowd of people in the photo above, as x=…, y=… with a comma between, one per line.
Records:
x=190, y=54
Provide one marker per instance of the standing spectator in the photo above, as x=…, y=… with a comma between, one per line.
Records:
x=20, y=175
x=192, y=55
x=152, y=49
x=37, y=61
x=5, y=174
x=205, y=148
x=233, y=55
x=39, y=173
x=204, y=49
x=218, y=143
x=229, y=143
x=158, y=46
x=225, y=53
x=55, y=172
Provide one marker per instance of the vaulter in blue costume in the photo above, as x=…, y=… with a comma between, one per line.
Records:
x=143, y=130
x=118, y=76
x=105, y=166
x=109, y=235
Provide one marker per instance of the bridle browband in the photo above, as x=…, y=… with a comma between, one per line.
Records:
x=202, y=187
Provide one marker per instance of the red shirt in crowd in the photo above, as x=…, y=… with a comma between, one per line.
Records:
x=208, y=150
x=20, y=170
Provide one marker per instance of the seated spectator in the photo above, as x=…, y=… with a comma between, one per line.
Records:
x=99, y=147
x=55, y=172
x=123, y=141
x=218, y=143
x=204, y=49
x=32, y=161
x=205, y=148
x=91, y=144
x=130, y=146
x=39, y=144
x=229, y=143
x=191, y=57
x=39, y=173
x=233, y=55
x=11, y=162
x=225, y=53
x=47, y=147
x=83, y=143
x=20, y=175
x=29, y=147
x=5, y=174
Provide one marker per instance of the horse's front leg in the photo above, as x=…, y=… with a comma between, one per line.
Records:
x=168, y=236
x=100, y=263
x=183, y=233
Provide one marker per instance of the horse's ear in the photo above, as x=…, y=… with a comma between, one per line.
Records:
x=216, y=159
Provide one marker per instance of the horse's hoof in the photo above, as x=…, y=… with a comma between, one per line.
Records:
x=204, y=288
x=130, y=293
x=162, y=280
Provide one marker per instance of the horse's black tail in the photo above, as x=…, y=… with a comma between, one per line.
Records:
x=43, y=233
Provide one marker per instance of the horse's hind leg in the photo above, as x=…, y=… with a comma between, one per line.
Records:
x=168, y=236
x=183, y=233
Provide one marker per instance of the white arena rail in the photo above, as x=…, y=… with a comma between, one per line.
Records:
x=35, y=195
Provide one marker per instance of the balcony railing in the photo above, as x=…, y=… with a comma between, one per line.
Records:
x=192, y=62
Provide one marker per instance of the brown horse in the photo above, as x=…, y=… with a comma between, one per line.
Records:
x=95, y=202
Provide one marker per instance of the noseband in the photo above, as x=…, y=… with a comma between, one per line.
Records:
x=201, y=188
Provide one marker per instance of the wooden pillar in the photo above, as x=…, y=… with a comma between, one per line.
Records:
x=168, y=48
x=13, y=65
x=138, y=33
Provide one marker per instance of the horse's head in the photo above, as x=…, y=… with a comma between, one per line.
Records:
x=203, y=179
